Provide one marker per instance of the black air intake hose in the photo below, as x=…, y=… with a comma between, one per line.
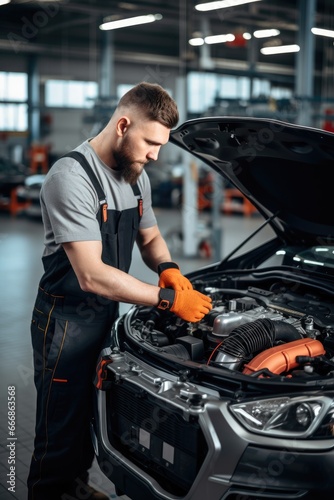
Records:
x=177, y=350
x=259, y=335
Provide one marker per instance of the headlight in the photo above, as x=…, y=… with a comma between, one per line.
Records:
x=301, y=417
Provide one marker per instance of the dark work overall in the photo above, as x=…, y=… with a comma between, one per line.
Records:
x=69, y=328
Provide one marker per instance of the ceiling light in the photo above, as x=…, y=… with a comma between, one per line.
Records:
x=222, y=4
x=196, y=42
x=3, y=2
x=219, y=38
x=247, y=36
x=127, y=6
x=266, y=33
x=322, y=32
x=131, y=21
x=281, y=49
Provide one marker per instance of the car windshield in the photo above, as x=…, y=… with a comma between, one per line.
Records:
x=314, y=258
x=318, y=256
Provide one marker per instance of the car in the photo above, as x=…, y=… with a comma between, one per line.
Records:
x=241, y=404
x=166, y=184
x=12, y=174
x=29, y=193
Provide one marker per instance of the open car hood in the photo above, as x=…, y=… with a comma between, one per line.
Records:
x=283, y=169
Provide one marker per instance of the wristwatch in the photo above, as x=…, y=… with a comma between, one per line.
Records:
x=166, y=298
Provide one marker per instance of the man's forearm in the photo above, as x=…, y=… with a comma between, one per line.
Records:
x=119, y=286
x=154, y=252
x=102, y=279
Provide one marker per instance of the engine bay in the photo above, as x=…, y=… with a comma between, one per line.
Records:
x=260, y=332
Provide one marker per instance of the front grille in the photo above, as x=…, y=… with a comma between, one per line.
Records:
x=155, y=436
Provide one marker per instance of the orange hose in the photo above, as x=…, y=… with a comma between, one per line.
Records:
x=282, y=358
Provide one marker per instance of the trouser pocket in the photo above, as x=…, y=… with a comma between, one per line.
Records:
x=48, y=337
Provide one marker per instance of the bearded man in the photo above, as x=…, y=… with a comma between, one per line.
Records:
x=96, y=203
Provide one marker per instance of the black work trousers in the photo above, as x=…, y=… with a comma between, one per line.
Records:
x=66, y=339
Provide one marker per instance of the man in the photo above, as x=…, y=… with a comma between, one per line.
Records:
x=96, y=203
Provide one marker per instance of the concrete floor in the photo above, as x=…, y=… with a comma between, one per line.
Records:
x=21, y=246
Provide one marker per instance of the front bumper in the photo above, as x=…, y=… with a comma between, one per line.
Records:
x=159, y=437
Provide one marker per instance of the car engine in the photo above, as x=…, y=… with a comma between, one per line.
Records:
x=258, y=332
x=180, y=401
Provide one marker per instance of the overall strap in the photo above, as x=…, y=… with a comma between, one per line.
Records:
x=80, y=158
x=137, y=193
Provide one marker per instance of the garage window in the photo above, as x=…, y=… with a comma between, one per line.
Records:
x=13, y=101
x=207, y=90
x=70, y=93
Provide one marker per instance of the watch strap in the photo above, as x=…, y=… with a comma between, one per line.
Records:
x=167, y=265
x=166, y=298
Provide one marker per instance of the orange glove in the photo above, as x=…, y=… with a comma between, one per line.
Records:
x=171, y=277
x=189, y=305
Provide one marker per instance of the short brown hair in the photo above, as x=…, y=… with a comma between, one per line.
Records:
x=154, y=101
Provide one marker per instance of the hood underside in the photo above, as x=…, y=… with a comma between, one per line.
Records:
x=283, y=169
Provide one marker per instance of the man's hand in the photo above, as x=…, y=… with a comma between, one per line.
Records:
x=171, y=277
x=189, y=305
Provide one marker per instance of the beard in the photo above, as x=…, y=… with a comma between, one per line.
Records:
x=129, y=168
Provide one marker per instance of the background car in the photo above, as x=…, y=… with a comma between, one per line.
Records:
x=29, y=193
x=12, y=175
x=166, y=184
x=240, y=404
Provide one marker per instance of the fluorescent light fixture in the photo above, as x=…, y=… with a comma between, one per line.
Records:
x=131, y=21
x=219, y=38
x=266, y=33
x=196, y=42
x=229, y=37
x=323, y=32
x=3, y=2
x=222, y=4
x=280, y=49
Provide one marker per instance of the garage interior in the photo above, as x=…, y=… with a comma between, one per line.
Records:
x=60, y=79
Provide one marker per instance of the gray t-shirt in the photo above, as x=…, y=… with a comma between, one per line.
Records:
x=70, y=203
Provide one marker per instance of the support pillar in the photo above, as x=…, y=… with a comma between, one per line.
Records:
x=305, y=61
x=34, y=118
x=189, y=201
x=107, y=79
